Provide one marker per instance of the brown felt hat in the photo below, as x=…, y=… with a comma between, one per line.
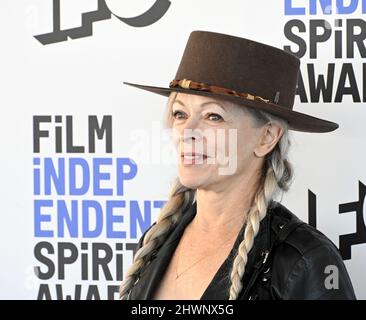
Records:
x=242, y=71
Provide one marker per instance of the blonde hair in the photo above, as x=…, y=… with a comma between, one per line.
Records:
x=276, y=178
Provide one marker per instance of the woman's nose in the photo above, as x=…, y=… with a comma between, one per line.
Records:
x=191, y=130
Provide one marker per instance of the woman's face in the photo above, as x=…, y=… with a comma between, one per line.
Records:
x=215, y=141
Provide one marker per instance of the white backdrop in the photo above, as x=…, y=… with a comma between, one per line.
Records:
x=81, y=76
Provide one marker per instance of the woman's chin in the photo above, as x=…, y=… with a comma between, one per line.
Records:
x=191, y=181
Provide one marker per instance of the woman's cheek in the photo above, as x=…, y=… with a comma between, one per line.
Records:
x=221, y=152
x=175, y=136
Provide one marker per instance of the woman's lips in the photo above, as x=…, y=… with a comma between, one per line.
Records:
x=193, y=158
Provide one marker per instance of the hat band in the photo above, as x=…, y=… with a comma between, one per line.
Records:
x=189, y=84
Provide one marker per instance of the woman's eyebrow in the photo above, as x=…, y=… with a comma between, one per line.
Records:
x=203, y=104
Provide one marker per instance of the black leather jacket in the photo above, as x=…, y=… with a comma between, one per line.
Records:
x=289, y=260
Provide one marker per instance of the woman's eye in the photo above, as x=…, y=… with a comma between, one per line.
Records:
x=178, y=114
x=214, y=117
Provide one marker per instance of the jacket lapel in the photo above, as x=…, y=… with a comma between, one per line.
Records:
x=219, y=287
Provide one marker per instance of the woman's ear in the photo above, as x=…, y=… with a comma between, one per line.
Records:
x=271, y=134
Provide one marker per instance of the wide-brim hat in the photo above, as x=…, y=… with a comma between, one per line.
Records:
x=245, y=72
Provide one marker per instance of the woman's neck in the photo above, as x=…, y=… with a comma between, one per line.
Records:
x=223, y=210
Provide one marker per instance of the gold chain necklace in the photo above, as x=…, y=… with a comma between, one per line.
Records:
x=206, y=256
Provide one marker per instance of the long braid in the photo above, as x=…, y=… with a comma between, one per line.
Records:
x=278, y=175
x=179, y=198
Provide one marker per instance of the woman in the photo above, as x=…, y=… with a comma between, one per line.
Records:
x=221, y=234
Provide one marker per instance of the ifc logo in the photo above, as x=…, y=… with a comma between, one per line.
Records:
x=103, y=12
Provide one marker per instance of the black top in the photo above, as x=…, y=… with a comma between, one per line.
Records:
x=289, y=260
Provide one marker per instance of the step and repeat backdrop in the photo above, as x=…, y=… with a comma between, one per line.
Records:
x=85, y=161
